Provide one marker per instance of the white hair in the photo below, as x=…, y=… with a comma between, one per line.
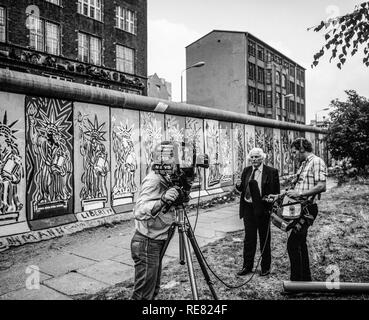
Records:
x=258, y=151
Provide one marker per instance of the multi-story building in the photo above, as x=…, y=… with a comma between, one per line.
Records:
x=96, y=42
x=245, y=75
x=159, y=88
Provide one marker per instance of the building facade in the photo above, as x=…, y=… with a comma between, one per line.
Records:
x=159, y=88
x=101, y=43
x=245, y=75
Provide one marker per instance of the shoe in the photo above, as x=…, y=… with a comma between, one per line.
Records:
x=264, y=273
x=244, y=271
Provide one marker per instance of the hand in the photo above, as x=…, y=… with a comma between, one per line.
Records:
x=293, y=194
x=170, y=195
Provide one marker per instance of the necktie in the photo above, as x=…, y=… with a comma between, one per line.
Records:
x=248, y=194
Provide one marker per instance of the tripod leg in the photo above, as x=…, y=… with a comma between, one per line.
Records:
x=181, y=246
x=200, y=260
x=190, y=268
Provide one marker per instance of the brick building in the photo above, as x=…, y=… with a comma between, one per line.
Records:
x=245, y=75
x=96, y=42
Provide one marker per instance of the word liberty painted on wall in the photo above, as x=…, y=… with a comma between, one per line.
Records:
x=54, y=232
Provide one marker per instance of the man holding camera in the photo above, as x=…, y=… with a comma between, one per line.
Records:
x=255, y=212
x=152, y=223
x=310, y=180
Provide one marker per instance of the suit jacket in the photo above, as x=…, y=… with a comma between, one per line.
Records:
x=269, y=185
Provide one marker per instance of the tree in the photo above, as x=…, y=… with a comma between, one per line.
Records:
x=344, y=33
x=348, y=130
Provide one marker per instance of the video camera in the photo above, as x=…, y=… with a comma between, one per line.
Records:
x=166, y=162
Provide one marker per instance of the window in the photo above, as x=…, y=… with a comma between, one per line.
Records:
x=292, y=106
x=252, y=95
x=2, y=24
x=298, y=90
x=298, y=108
x=57, y=2
x=302, y=92
x=260, y=75
x=278, y=100
x=89, y=49
x=252, y=71
x=125, y=59
x=284, y=81
x=52, y=38
x=90, y=8
x=261, y=97
x=292, y=87
x=261, y=53
x=251, y=49
x=269, y=99
x=269, y=76
x=292, y=71
x=126, y=20
x=44, y=36
x=269, y=56
x=278, y=78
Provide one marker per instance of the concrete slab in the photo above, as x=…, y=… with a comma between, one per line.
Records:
x=15, y=278
x=123, y=241
x=98, y=251
x=74, y=283
x=125, y=257
x=108, y=271
x=64, y=263
x=43, y=293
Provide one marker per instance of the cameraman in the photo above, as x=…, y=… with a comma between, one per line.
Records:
x=152, y=223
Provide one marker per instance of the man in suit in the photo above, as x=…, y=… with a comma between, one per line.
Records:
x=255, y=212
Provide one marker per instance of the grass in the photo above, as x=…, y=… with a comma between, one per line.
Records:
x=338, y=242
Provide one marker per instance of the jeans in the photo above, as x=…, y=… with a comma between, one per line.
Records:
x=146, y=254
x=299, y=256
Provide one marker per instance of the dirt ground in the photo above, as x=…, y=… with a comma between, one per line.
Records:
x=338, y=246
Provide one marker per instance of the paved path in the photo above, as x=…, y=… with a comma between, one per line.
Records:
x=93, y=260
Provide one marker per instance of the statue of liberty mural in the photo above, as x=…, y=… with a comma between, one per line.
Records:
x=53, y=160
x=213, y=147
x=95, y=159
x=11, y=173
x=126, y=162
x=151, y=135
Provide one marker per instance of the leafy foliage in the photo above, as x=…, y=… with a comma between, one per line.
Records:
x=348, y=131
x=345, y=33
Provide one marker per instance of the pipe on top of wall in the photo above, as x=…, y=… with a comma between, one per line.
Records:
x=30, y=84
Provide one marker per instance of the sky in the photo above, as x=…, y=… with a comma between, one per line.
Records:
x=174, y=24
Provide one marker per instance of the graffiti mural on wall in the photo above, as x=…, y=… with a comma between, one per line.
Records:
x=225, y=156
x=174, y=132
x=124, y=181
x=11, y=171
x=286, y=156
x=49, y=160
x=269, y=146
x=260, y=138
x=95, y=160
x=250, y=140
x=151, y=134
x=212, y=149
x=277, y=149
x=239, y=152
x=194, y=146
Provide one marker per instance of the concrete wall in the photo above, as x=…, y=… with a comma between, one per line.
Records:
x=63, y=163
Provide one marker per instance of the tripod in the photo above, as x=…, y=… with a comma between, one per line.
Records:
x=186, y=236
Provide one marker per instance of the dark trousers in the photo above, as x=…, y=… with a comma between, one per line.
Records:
x=146, y=254
x=255, y=223
x=299, y=256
